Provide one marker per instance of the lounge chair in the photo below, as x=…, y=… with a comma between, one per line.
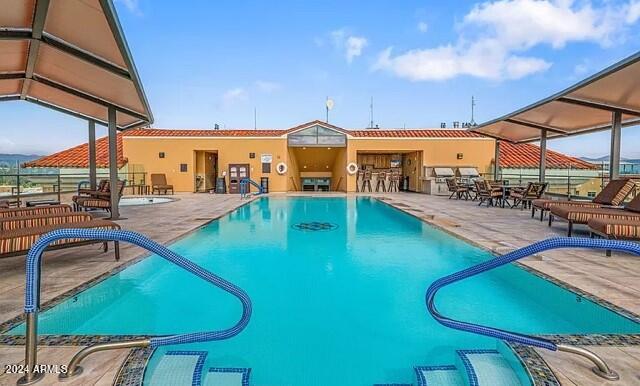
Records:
x=103, y=186
x=457, y=190
x=612, y=195
x=18, y=241
x=582, y=215
x=36, y=210
x=159, y=184
x=100, y=200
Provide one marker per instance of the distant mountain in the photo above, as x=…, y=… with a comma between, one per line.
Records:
x=12, y=160
x=606, y=159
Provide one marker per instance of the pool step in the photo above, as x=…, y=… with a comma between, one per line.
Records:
x=447, y=375
x=228, y=376
x=472, y=368
x=179, y=368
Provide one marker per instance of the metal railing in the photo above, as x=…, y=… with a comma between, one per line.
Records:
x=245, y=189
x=601, y=368
x=32, y=299
x=19, y=186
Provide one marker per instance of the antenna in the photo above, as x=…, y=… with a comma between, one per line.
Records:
x=329, y=103
x=255, y=118
x=473, y=108
x=371, y=107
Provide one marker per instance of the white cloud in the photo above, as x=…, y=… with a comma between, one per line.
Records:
x=268, y=86
x=132, y=5
x=234, y=95
x=422, y=27
x=351, y=45
x=494, y=34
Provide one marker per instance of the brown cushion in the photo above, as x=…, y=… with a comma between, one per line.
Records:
x=583, y=215
x=543, y=203
x=20, y=240
x=615, y=192
x=90, y=202
x=42, y=220
x=623, y=229
x=634, y=205
x=19, y=212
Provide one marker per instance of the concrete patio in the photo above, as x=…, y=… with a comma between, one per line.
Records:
x=615, y=279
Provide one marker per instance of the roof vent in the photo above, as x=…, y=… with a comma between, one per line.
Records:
x=456, y=124
x=443, y=125
x=216, y=127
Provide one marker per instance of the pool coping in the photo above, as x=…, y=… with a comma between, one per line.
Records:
x=131, y=371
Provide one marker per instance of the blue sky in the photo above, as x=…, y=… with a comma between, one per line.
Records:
x=215, y=61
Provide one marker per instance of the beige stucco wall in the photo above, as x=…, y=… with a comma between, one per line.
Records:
x=142, y=152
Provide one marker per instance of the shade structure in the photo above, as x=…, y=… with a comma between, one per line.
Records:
x=585, y=107
x=70, y=55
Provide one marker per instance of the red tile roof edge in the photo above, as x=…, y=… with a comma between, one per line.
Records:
x=78, y=156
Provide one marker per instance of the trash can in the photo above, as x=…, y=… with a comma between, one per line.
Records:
x=405, y=184
x=221, y=185
x=264, y=183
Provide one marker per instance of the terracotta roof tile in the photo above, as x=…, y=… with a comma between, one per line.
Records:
x=525, y=155
x=78, y=156
x=414, y=133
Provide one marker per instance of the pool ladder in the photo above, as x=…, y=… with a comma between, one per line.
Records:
x=244, y=187
x=32, y=300
x=601, y=368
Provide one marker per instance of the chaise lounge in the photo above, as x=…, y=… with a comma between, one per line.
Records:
x=159, y=184
x=611, y=195
x=582, y=215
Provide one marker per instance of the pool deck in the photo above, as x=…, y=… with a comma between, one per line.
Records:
x=615, y=279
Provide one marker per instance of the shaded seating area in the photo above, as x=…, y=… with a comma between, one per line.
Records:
x=21, y=228
x=159, y=184
x=582, y=215
x=613, y=194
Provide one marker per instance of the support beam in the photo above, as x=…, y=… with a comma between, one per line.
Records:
x=39, y=18
x=496, y=166
x=113, y=164
x=598, y=105
x=543, y=155
x=614, y=155
x=92, y=155
x=535, y=126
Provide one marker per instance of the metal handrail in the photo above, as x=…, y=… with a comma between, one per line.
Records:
x=244, y=187
x=32, y=299
x=602, y=369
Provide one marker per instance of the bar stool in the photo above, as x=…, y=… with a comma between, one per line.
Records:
x=366, y=180
x=395, y=180
x=382, y=180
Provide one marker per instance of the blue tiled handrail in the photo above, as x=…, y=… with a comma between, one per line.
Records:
x=32, y=292
x=553, y=243
x=244, y=186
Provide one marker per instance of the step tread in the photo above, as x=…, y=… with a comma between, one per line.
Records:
x=446, y=375
x=178, y=368
x=487, y=368
x=227, y=376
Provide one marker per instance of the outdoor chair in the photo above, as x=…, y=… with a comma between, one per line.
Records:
x=524, y=196
x=101, y=200
x=394, y=182
x=611, y=195
x=485, y=192
x=159, y=184
x=103, y=186
x=382, y=180
x=582, y=215
x=366, y=180
x=457, y=190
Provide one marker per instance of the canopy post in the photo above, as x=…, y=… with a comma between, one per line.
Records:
x=92, y=154
x=496, y=165
x=113, y=164
x=616, y=135
x=543, y=155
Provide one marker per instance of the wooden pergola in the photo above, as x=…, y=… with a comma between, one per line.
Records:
x=72, y=56
x=607, y=100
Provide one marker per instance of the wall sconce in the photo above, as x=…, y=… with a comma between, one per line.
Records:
x=161, y=154
x=252, y=155
x=459, y=156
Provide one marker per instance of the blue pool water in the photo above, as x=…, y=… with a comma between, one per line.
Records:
x=338, y=306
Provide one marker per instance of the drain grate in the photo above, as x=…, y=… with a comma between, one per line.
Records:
x=315, y=226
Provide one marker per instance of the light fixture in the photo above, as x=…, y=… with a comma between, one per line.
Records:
x=304, y=148
x=328, y=148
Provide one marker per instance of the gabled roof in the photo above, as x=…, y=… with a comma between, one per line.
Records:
x=527, y=156
x=78, y=156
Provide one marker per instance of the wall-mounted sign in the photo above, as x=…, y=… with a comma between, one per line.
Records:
x=266, y=158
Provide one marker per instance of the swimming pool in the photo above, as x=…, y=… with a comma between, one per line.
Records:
x=338, y=292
